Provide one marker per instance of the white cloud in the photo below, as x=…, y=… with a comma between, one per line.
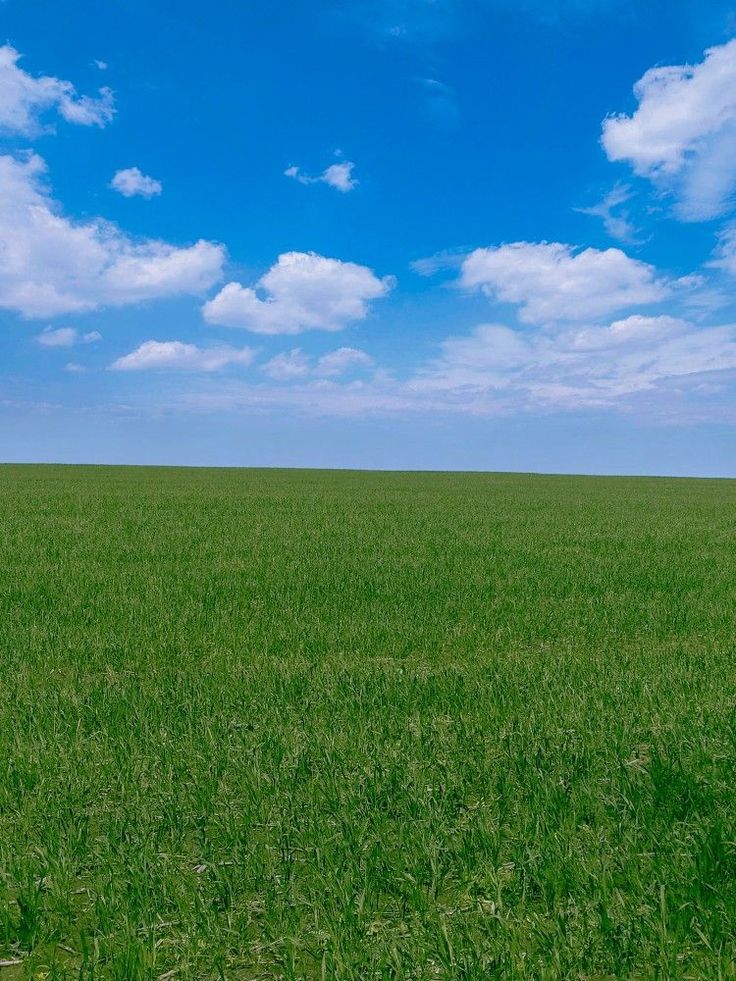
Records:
x=61, y=337
x=66, y=337
x=102, y=65
x=552, y=281
x=72, y=368
x=725, y=254
x=594, y=366
x=682, y=136
x=25, y=98
x=322, y=397
x=339, y=176
x=304, y=291
x=662, y=366
x=446, y=259
x=288, y=365
x=293, y=364
x=52, y=265
x=343, y=359
x=132, y=182
x=178, y=356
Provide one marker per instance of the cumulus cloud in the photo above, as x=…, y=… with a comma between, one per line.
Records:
x=338, y=175
x=178, y=356
x=66, y=337
x=25, y=98
x=132, y=182
x=302, y=291
x=50, y=264
x=552, y=281
x=682, y=136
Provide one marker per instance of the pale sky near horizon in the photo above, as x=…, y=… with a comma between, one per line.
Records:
x=413, y=234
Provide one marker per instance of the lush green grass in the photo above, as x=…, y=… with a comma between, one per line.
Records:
x=259, y=724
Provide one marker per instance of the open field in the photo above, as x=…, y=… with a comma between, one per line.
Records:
x=260, y=724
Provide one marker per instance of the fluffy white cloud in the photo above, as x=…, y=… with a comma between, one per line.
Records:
x=339, y=176
x=683, y=133
x=553, y=282
x=132, y=181
x=52, y=265
x=24, y=98
x=178, y=356
x=66, y=337
x=303, y=291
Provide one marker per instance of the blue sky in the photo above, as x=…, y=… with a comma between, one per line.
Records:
x=442, y=234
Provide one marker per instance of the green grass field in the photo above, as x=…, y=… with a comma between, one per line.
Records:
x=294, y=724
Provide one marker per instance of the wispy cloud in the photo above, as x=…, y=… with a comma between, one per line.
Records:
x=425, y=23
x=405, y=21
x=66, y=337
x=288, y=365
x=298, y=364
x=178, y=356
x=663, y=365
x=725, y=253
x=616, y=219
x=582, y=366
x=439, y=103
x=447, y=259
x=337, y=175
x=342, y=360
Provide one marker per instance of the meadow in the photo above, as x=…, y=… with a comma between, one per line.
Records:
x=339, y=725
